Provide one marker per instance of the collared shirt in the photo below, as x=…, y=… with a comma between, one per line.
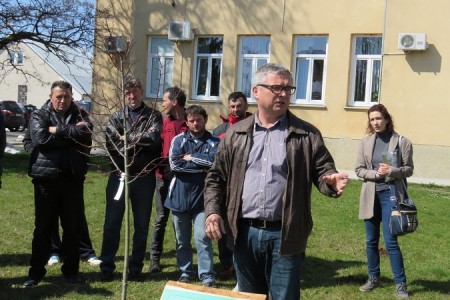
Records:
x=265, y=177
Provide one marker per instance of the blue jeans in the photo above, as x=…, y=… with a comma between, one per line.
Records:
x=141, y=196
x=382, y=213
x=261, y=269
x=183, y=230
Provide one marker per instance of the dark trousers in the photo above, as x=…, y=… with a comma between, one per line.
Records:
x=161, y=218
x=86, y=249
x=225, y=254
x=141, y=191
x=57, y=198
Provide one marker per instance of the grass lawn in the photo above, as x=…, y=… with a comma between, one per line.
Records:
x=334, y=268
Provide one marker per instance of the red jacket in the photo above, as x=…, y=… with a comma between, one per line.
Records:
x=171, y=128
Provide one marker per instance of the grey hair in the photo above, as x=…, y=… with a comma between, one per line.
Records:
x=266, y=69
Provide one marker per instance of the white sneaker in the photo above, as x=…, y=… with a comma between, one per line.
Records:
x=54, y=259
x=94, y=261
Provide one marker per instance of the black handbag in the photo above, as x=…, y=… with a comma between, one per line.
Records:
x=403, y=218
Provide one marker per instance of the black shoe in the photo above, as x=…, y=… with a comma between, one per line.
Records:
x=107, y=276
x=135, y=276
x=211, y=284
x=74, y=280
x=184, y=279
x=227, y=271
x=30, y=283
x=155, y=267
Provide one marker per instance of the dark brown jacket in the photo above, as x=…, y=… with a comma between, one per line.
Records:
x=308, y=160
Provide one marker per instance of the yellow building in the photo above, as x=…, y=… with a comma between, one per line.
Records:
x=345, y=56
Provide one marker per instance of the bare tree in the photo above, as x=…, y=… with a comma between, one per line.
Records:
x=110, y=73
x=52, y=25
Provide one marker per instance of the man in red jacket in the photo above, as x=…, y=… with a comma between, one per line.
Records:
x=173, y=102
x=237, y=106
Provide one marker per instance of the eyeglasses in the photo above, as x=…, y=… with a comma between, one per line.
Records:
x=278, y=89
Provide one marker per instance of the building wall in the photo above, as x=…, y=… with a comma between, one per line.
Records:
x=38, y=87
x=413, y=84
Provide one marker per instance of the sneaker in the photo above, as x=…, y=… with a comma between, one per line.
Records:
x=401, y=290
x=184, y=279
x=227, y=271
x=155, y=267
x=30, y=283
x=371, y=283
x=54, y=259
x=210, y=284
x=94, y=261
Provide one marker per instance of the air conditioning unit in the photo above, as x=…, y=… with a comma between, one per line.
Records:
x=412, y=41
x=180, y=31
x=115, y=44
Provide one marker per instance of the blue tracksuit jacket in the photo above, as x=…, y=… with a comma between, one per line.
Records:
x=186, y=188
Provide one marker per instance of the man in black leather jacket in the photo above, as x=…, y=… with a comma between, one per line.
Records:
x=143, y=136
x=58, y=141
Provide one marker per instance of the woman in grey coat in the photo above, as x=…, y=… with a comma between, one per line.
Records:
x=384, y=162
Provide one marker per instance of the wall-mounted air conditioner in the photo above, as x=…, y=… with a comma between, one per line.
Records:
x=412, y=41
x=115, y=44
x=180, y=31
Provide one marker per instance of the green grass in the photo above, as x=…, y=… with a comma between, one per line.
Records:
x=334, y=268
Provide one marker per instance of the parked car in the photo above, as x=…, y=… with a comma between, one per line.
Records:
x=27, y=110
x=13, y=115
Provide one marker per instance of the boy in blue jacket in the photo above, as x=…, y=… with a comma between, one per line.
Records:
x=191, y=155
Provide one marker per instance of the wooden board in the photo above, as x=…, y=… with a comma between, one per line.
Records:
x=184, y=291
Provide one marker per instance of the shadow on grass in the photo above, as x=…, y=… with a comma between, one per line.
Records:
x=329, y=276
x=51, y=286
x=329, y=272
x=442, y=287
x=12, y=260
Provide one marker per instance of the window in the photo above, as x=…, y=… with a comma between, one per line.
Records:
x=366, y=70
x=310, y=67
x=160, y=66
x=22, y=93
x=208, y=68
x=16, y=57
x=253, y=52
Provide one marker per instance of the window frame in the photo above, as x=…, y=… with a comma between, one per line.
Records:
x=195, y=72
x=310, y=57
x=16, y=57
x=162, y=58
x=254, y=58
x=370, y=59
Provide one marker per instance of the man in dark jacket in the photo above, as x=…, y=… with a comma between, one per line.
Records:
x=191, y=155
x=258, y=190
x=59, y=140
x=140, y=143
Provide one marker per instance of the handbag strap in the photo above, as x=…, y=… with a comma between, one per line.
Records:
x=393, y=190
x=400, y=139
